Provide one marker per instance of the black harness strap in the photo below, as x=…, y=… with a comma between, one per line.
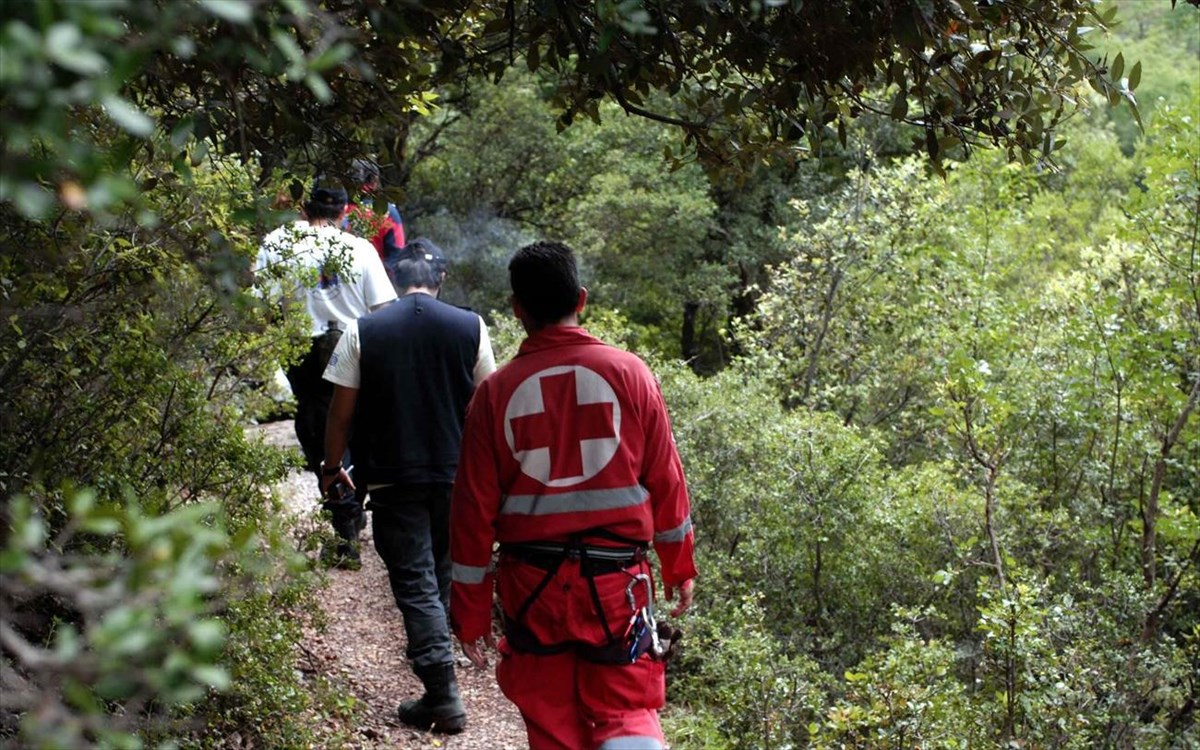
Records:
x=537, y=590
x=583, y=560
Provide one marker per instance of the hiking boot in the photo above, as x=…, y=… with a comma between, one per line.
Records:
x=441, y=708
x=343, y=556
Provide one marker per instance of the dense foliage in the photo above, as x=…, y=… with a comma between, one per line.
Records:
x=980, y=524
x=939, y=417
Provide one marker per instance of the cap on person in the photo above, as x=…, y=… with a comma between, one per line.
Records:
x=424, y=249
x=333, y=197
x=420, y=263
x=326, y=201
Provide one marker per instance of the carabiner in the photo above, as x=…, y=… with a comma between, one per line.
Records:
x=629, y=596
x=646, y=613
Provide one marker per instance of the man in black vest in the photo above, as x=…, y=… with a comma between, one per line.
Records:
x=403, y=378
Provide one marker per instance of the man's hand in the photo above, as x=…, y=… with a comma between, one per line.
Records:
x=474, y=650
x=684, y=591
x=328, y=481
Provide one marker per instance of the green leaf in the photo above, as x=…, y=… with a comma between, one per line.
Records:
x=931, y=144
x=79, y=696
x=82, y=502
x=115, y=687
x=1118, y=67
x=67, y=645
x=32, y=199
x=317, y=85
x=212, y=676
x=30, y=533
x=65, y=47
x=1135, y=75
x=102, y=526
x=234, y=11
x=207, y=635
x=332, y=57
x=290, y=49
x=11, y=560
x=182, y=132
x=128, y=117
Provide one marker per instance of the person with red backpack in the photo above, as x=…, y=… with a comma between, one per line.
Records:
x=385, y=231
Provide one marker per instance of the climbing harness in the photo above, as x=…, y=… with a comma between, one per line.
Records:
x=642, y=633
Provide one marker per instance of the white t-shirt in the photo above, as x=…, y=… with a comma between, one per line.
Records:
x=345, y=369
x=362, y=283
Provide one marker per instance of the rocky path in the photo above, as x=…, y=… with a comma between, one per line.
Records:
x=361, y=650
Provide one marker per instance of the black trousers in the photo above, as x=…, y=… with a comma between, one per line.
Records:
x=313, y=394
x=411, y=525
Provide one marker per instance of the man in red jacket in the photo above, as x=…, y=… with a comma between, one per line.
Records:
x=569, y=463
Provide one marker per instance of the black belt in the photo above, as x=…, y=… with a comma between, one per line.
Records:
x=593, y=561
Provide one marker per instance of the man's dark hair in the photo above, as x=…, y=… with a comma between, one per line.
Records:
x=409, y=272
x=419, y=263
x=545, y=281
x=326, y=202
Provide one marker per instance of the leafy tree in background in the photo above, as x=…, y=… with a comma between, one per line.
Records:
x=1055, y=375
x=640, y=229
x=1166, y=45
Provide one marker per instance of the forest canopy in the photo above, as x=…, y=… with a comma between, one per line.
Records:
x=267, y=81
x=920, y=278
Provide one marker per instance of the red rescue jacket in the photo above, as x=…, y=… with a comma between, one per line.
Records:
x=570, y=436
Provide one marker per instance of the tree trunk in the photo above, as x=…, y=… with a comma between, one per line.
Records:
x=688, y=345
x=1150, y=512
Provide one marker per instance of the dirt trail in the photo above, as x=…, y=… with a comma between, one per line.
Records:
x=362, y=649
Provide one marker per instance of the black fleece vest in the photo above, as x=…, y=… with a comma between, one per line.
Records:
x=418, y=362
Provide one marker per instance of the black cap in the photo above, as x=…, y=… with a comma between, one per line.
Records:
x=329, y=195
x=423, y=249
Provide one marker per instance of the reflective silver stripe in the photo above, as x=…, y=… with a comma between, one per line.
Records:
x=593, y=552
x=631, y=743
x=676, y=534
x=468, y=573
x=573, y=502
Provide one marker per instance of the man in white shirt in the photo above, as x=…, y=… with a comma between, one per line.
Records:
x=339, y=278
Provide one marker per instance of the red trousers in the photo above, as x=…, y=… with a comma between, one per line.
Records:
x=568, y=702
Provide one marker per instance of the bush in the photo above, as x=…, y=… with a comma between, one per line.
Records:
x=749, y=690
x=113, y=624
x=906, y=694
x=130, y=364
